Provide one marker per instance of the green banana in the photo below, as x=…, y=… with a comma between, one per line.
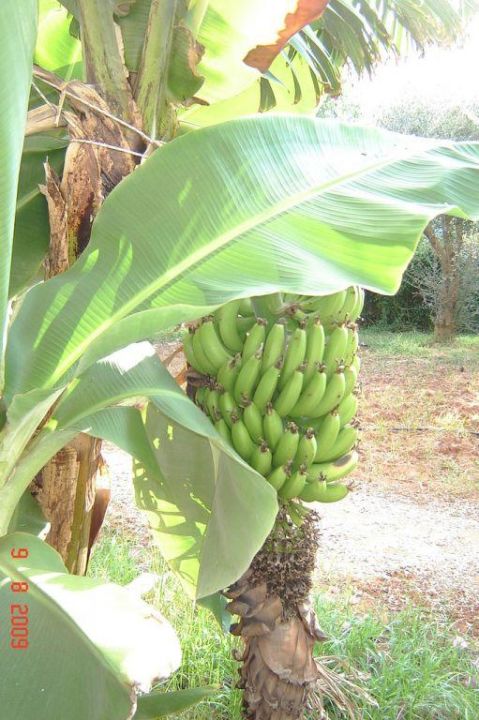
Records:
x=242, y=442
x=293, y=485
x=333, y=394
x=333, y=471
x=228, y=372
x=315, y=423
x=289, y=395
x=223, y=430
x=279, y=476
x=351, y=345
x=326, y=306
x=227, y=407
x=326, y=437
x=320, y=491
x=212, y=345
x=212, y=403
x=254, y=340
x=315, y=340
x=253, y=421
x=273, y=346
x=335, y=349
x=356, y=363
x=200, y=395
x=266, y=387
x=344, y=443
x=261, y=459
x=347, y=409
x=205, y=397
x=311, y=395
x=356, y=310
x=189, y=352
x=298, y=315
x=294, y=355
x=246, y=307
x=350, y=378
x=306, y=451
x=204, y=363
x=349, y=305
x=226, y=320
x=272, y=427
x=247, y=378
x=287, y=446
x=244, y=325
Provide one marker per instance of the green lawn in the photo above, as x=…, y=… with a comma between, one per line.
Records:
x=464, y=349
x=408, y=662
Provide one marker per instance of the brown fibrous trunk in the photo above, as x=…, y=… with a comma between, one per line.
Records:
x=67, y=491
x=277, y=624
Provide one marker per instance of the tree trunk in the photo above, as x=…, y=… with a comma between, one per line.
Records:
x=66, y=491
x=446, y=246
x=277, y=624
x=445, y=321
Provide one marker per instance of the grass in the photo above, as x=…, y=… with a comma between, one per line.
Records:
x=409, y=662
x=413, y=344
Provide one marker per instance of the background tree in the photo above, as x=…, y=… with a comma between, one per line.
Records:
x=444, y=277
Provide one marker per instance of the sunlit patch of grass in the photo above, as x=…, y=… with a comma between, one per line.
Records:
x=463, y=350
x=414, y=668
x=117, y=559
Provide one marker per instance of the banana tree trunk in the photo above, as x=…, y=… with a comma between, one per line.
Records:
x=279, y=674
x=66, y=490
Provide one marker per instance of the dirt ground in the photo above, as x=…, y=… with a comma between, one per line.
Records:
x=410, y=529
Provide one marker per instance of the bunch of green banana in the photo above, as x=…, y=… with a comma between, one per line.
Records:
x=344, y=306
x=283, y=393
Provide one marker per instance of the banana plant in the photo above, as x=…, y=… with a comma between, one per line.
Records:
x=245, y=208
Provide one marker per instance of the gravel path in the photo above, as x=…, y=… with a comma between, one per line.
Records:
x=384, y=545
x=370, y=533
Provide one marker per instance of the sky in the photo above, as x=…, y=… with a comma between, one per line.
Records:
x=450, y=73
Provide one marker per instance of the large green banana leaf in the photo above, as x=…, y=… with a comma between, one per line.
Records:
x=293, y=90
x=92, y=646
x=28, y=517
x=195, y=492
x=56, y=49
x=247, y=207
x=192, y=485
x=18, y=21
